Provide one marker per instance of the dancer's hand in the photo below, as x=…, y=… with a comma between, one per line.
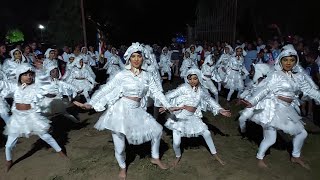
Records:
x=247, y=103
x=174, y=109
x=226, y=113
x=162, y=110
x=238, y=102
x=87, y=106
x=81, y=105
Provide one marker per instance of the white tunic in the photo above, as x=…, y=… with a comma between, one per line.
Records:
x=113, y=66
x=277, y=113
x=49, y=62
x=186, y=65
x=81, y=79
x=222, y=65
x=189, y=124
x=9, y=68
x=25, y=122
x=53, y=92
x=124, y=115
x=235, y=74
x=165, y=63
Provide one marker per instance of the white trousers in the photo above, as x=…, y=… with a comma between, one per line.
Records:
x=231, y=92
x=5, y=117
x=120, y=146
x=12, y=140
x=175, y=67
x=246, y=114
x=86, y=95
x=177, y=141
x=270, y=137
x=169, y=74
x=211, y=87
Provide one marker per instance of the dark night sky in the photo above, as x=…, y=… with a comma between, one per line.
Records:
x=128, y=20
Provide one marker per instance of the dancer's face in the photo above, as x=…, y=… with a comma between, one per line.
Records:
x=51, y=54
x=84, y=50
x=187, y=54
x=239, y=52
x=81, y=63
x=193, y=80
x=227, y=50
x=71, y=59
x=27, y=78
x=136, y=60
x=17, y=55
x=288, y=62
x=192, y=49
x=54, y=73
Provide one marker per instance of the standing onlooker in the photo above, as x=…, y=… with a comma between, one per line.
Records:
x=3, y=54
x=250, y=58
x=175, y=55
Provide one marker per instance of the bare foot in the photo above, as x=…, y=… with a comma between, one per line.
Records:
x=159, y=163
x=62, y=154
x=238, y=102
x=176, y=161
x=262, y=164
x=299, y=161
x=8, y=165
x=123, y=174
x=219, y=160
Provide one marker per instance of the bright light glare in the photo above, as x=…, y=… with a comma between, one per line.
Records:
x=41, y=26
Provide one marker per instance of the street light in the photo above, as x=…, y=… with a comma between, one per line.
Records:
x=41, y=27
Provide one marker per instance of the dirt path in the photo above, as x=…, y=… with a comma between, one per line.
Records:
x=92, y=156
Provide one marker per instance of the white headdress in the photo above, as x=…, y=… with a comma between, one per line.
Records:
x=195, y=71
x=23, y=68
x=46, y=54
x=12, y=56
x=135, y=47
x=77, y=61
x=230, y=49
x=208, y=59
x=288, y=50
x=84, y=47
x=261, y=70
x=244, y=53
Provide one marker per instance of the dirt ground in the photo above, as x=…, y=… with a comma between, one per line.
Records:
x=92, y=156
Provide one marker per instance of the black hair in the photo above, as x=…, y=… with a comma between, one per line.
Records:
x=29, y=71
x=139, y=52
x=189, y=76
x=295, y=56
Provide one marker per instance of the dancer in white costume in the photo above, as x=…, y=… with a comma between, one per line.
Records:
x=187, y=64
x=165, y=63
x=52, y=89
x=260, y=73
x=4, y=106
x=49, y=58
x=153, y=69
x=81, y=78
x=192, y=98
x=222, y=64
x=236, y=72
x=25, y=119
x=125, y=117
x=114, y=64
x=280, y=111
x=10, y=65
x=207, y=69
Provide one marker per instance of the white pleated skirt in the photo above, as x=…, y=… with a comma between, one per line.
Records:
x=129, y=118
